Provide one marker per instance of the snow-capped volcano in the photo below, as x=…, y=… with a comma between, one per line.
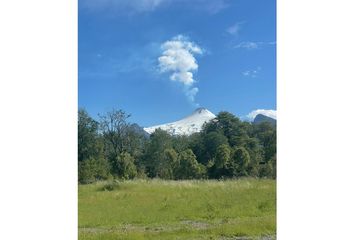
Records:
x=186, y=126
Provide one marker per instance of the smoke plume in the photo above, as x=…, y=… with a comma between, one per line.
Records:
x=178, y=60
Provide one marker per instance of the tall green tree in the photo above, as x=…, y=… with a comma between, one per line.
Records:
x=211, y=142
x=168, y=165
x=219, y=167
x=92, y=165
x=88, y=138
x=114, y=127
x=189, y=168
x=160, y=140
x=266, y=134
x=256, y=152
x=124, y=143
x=136, y=141
x=222, y=158
x=124, y=166
x=240, y=162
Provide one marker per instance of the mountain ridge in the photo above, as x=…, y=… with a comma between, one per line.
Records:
x=263, y=118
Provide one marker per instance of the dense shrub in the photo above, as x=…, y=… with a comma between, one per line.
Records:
x=91, y=170
x=111, y=186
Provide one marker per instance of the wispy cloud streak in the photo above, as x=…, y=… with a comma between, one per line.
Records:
x=235, y=29
x=251, y=73
x=141, y=6
x=253, y=45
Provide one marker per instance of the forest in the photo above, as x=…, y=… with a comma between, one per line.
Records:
x=114, y=148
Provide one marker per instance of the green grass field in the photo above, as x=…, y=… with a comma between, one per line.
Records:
x=158, y=209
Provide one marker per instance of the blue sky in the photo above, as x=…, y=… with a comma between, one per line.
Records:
x=160, y=59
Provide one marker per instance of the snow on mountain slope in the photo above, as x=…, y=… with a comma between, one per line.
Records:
x=186, y=126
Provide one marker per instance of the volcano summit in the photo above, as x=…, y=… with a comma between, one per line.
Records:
x=186, y=126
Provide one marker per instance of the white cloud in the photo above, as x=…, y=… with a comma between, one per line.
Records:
x=144, y=5
x=140, y=6
x=211, y=6
x=269, y=113
x=253, y=45
x=251, y=73
x=178, y=59
x=128, y=6
x=234, y=29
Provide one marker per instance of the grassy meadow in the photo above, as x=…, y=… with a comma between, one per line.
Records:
x=194, y=209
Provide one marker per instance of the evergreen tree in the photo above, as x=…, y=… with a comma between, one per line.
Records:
x=88, y=145
x=222, y=157
x=91, y=163
x=211, y=142
x=124, y=166
x=189, y=168
x=159, y=141
x=168, y=166
x=240, y=162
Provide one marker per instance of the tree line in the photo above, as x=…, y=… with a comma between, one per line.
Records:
x=227, y=147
